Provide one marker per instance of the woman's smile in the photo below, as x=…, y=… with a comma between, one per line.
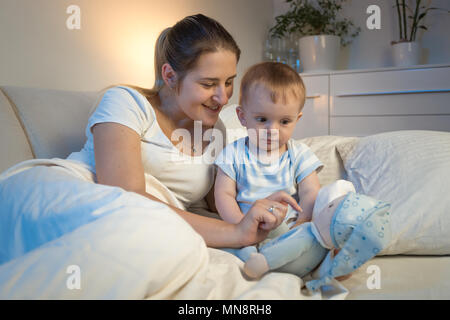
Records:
x=214, y=109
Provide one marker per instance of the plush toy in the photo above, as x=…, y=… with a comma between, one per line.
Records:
x=355, y=224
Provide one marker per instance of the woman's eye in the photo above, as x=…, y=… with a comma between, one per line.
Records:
x=208, y=85
x=230, y=83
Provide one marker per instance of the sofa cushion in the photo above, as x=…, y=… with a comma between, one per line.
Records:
x=55, y=120
x=14, y=145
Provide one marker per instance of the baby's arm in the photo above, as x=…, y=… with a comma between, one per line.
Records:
x=308, y=189
x=225, y=196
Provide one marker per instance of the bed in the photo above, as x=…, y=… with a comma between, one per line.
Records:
x=116, y=257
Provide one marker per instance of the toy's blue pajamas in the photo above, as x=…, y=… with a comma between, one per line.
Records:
x=293, y=251
x=361, y=229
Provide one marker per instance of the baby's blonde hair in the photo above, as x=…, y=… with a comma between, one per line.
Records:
x=278, y=78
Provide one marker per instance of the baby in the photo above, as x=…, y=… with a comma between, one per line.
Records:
x=266, y=161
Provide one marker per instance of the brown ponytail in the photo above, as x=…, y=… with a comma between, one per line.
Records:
x=160, y=59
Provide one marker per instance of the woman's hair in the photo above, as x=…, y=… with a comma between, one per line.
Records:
x=278, y=79
x=182, y=45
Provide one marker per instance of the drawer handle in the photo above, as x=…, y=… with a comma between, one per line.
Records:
x=313, y=97
x=391, y=92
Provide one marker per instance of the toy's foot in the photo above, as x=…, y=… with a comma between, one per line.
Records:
x=256, y=266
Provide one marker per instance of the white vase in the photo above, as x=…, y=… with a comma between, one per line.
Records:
x=406, y=54
x=319, y=53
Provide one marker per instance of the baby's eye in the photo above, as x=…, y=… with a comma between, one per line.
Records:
x=261, y=119
x=286, y=121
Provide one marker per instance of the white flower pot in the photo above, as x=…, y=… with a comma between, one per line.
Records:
x=406, y=54
x=319, y=53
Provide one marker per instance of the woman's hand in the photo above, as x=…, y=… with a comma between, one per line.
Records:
x=286, y=199
x=259, y=220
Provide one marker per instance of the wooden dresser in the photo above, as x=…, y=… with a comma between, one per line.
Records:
x=365, y=102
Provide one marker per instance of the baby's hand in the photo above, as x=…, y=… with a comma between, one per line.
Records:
x=301, y=219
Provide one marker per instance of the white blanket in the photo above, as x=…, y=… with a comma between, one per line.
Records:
x=134, y=249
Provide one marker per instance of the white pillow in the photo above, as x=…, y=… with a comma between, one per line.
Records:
x=324, y=147
x=411, y=170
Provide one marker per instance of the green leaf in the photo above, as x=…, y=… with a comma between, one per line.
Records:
x=309, y=17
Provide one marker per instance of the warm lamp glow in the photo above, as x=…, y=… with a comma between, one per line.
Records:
x=139, y=56
x=128, y=36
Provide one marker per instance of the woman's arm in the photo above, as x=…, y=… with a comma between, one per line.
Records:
x=118, y=163
x=118, y=160
x=210, y=200
x=225, y=196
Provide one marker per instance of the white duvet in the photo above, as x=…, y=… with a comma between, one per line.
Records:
x=135, y=249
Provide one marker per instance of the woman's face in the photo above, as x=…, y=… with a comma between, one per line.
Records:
x=207, y=88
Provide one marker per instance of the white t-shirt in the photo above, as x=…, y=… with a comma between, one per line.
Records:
x=189, y=178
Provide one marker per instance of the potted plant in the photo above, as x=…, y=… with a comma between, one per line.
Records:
x=406, y=51
x=321, y=31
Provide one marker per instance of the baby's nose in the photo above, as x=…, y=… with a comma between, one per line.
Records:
x=273, y=132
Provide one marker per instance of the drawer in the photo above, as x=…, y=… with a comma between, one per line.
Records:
x=315, y=85
x=390, y=82
x=363, y=126
x=392, y=104
x=314, y=121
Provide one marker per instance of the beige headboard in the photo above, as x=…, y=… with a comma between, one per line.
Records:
x=41, y=123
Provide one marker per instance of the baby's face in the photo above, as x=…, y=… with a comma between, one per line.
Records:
x=270, y=125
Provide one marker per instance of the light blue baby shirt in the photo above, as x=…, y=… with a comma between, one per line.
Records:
x=256, y=179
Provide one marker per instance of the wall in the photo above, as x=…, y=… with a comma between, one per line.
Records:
x=116, y=40
x=371, y=49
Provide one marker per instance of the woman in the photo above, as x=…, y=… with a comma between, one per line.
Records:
x=130, y=135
